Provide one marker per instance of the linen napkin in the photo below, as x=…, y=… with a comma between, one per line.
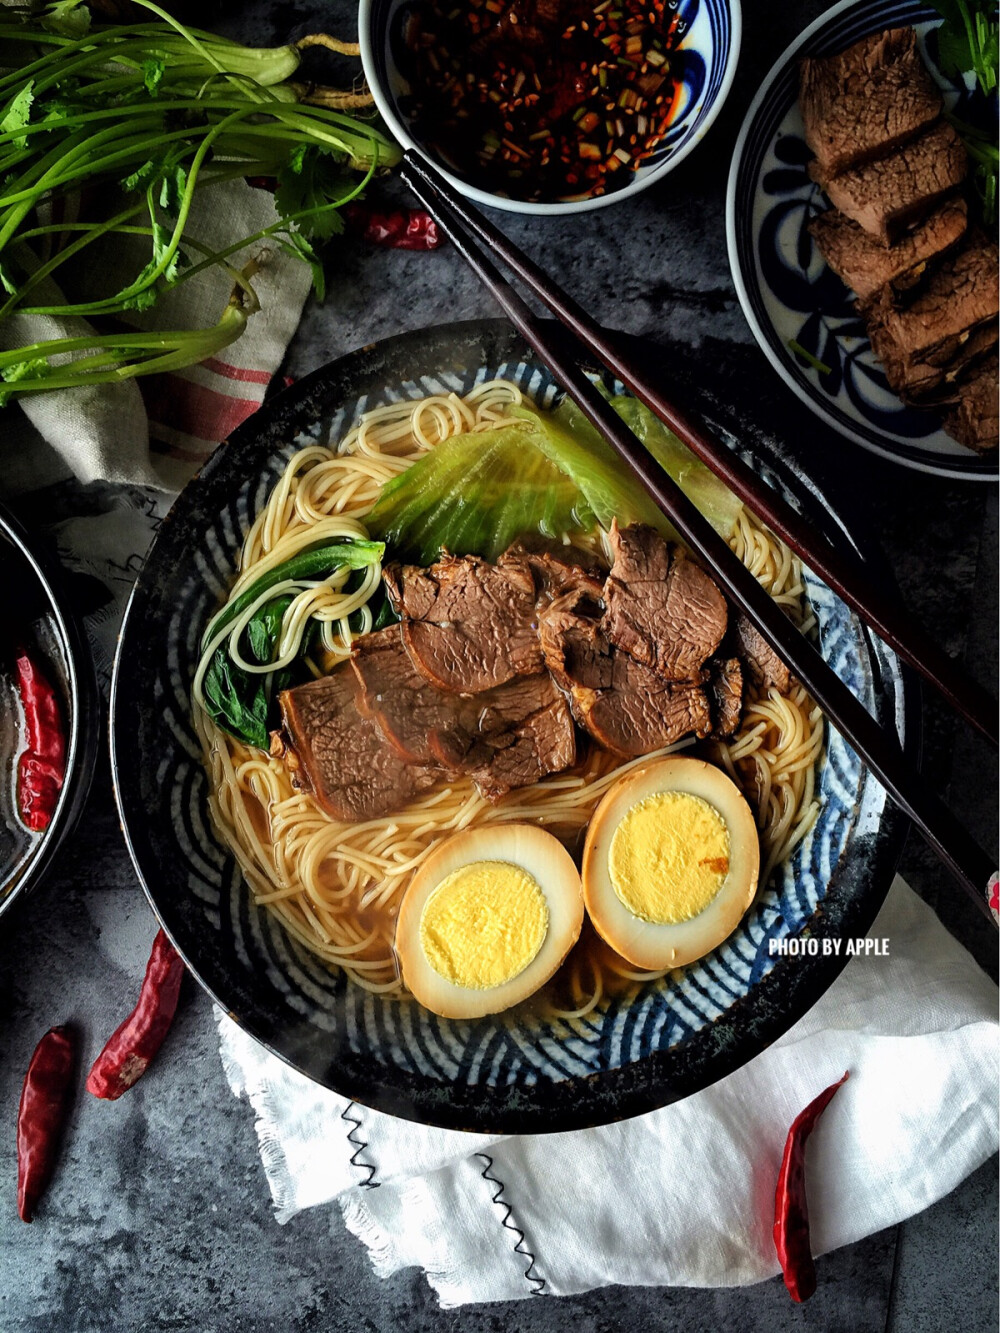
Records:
x=158, y=430
x=683, y=1196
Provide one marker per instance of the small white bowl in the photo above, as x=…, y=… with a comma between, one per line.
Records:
x=711, y=47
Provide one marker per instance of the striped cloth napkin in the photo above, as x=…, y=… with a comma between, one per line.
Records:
x=157, y=431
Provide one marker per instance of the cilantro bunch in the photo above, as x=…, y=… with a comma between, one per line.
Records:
x=133, y=120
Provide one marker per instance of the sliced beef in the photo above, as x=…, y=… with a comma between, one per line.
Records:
x=541, y=742
x=576, y=649
x=662, y=608
x=867, y=267
x=341, y=755
x=625, y=706
x=886, y=195
x=468, y=625
x=928, y=384
x=559, y=572
x=725, y=694
x=866, y=101
x=641, y=711
x=936, y=328
x=506, y=737
x=973, y=421
x=763, y=663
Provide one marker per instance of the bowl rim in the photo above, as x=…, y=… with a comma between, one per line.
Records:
x=587, y=1101
x=84, y=707
x=400, y=131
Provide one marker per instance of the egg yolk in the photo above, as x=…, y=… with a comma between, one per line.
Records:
x=483, y=924
x=669, y=857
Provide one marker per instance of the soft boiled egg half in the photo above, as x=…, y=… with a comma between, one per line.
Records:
x=487, y=919
x=670, y=863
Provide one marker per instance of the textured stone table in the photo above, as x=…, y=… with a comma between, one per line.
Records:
x=160, y=1216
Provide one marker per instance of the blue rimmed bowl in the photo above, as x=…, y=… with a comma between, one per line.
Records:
x=512, y=1072
x=788, y=293
x=708, y=54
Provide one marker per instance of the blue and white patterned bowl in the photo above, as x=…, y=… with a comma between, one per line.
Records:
x=787, y=291
x=709, y=53
x=509, y=1073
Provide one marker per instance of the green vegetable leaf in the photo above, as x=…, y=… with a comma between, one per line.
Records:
x=68, y=18
x=31, y=368
x=554, y=475
x=968, y=40
x=312, y=181
x=265, y=627
x=237, y=701
x=296, y=244
x=313, y=563
x=17, y=113
x=153, y=70
x=475, y=494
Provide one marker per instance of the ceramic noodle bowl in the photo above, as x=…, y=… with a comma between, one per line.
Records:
x=636, y=1050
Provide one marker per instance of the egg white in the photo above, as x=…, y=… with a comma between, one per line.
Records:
x=549, y=864
x=645, y=944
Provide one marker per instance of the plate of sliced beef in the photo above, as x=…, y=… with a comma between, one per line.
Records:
x=858, y=244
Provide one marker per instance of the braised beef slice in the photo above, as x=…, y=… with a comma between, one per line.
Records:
x=626, y=707
x=973, y=421
x=341, y=755
x=640, y=711
x=867, y=267
x=662, y=608
x=542, y=742
x=725, y=694
x=935, y=329
x=885, y=195
x=760, y=659
x=576, y=649
x=506, y=737
x=867, y=100
x=926, y=384
x=467, y=625
x=559, y=569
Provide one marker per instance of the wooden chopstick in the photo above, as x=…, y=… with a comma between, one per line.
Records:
x=949, y=840
x=845, y=575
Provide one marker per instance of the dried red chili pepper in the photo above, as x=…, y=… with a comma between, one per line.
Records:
x=409, y=229
x=131, y=1047
x=41, y=767
x=41, y=1115
x=791, y=1215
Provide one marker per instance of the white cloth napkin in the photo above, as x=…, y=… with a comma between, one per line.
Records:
x=683, y=1196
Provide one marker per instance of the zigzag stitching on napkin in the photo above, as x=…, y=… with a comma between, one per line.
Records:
x=359, y=1145
x=519, y=1248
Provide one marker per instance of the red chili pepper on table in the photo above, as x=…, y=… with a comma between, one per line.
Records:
x=791, y=1215
x=41, y=1115
x=41, y=767
x=131, y=1047
x=402, y=229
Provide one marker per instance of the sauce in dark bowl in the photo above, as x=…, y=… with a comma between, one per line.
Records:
x=541, y=100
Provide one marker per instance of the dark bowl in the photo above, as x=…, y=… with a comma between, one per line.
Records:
x=37, y=609
x=509, y=1073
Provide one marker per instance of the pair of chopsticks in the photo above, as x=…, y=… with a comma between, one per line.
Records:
x=468, y=231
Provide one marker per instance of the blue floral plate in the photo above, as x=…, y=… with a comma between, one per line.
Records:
x=513, y=1072
x=788, y=293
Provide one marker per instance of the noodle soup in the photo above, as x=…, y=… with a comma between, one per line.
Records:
x=336, y=884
